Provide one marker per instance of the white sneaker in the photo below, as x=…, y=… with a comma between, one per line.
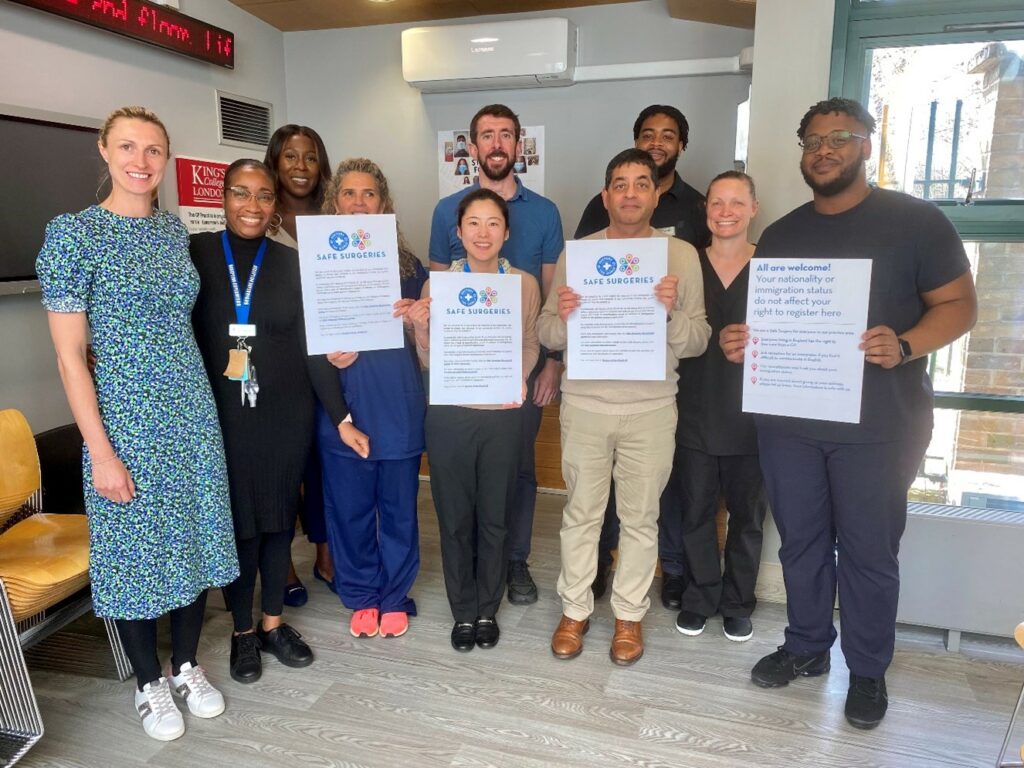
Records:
x=202, y=698
x=160, y=717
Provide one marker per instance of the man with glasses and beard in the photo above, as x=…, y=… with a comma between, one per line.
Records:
x=662, y=132
x=534, y=242
x=838, y=491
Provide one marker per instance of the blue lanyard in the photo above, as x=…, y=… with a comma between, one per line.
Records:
x=242, y=303
x=465, y=268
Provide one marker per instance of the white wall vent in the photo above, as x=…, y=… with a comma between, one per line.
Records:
x=243, y=122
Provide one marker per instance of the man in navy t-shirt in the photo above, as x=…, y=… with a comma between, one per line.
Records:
x=838, y=487
x=534, y=242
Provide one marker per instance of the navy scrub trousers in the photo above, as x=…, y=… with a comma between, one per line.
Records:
x=841, y=509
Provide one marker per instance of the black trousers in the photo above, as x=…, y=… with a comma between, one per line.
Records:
x=697, y=480
x=474, y=461
x=139, y=639
x=841, y=509
x=267, y=554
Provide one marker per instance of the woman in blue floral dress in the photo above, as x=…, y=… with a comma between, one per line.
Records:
x=156, y=489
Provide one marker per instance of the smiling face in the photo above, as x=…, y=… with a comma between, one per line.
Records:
x=245, y=215
x=482, y=230
x=659, y=137
x=631, y=195
x=829, y=171
x=358, y=193
x=136, y=155
x=496, y=145
x=298, y=167
x=731, y=207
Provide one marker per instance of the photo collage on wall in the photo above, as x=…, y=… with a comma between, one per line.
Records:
x=457, y=169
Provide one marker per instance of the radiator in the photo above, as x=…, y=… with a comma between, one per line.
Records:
x=962, y=570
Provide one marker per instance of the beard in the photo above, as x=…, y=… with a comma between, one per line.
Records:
x=668, y=167
x=840, y=183
x=493, y=175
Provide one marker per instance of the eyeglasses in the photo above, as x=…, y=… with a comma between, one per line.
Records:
x=835, y=140
x=243, y=195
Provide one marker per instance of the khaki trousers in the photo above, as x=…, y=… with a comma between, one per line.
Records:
x=636, y=450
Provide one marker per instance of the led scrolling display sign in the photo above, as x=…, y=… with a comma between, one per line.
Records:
x=150, y=23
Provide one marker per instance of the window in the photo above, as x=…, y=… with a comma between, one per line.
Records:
x=945, y=81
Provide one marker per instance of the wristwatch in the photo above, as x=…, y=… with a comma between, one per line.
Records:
x=905, y=351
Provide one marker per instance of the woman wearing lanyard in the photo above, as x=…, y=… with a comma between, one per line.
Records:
x=155, y=487
x=716, y=444
x=249, y=325
x=474, y=450
x=296, y=154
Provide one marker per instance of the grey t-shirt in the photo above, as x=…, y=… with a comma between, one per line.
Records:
x=914, y=249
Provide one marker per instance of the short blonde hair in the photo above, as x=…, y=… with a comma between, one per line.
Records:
x=132, y=113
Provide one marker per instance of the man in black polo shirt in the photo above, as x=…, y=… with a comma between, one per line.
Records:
x=662, y=132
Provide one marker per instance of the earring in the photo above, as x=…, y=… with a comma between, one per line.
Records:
x=275, y=223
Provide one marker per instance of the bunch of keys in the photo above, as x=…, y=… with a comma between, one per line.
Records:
x=241, y=369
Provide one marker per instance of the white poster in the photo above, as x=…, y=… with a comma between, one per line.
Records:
x=806, y=318
x=350, y=282
x=457, y=170
x=618, y=331
x=476, y=338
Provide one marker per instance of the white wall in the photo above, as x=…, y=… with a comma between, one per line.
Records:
x=63, y=66
x=347, y=84
x=792, y=56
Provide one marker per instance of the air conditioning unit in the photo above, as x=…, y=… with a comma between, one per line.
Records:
x=530, y=53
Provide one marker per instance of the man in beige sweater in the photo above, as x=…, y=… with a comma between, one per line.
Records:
x=620, y=429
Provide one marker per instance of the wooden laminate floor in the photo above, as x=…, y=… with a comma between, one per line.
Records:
x=414, y=701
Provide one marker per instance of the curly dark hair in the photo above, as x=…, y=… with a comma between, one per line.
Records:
x=849, y=107
x=669, y=112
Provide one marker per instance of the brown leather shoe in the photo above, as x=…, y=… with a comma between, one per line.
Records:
x=567, y=642
x=627, y=643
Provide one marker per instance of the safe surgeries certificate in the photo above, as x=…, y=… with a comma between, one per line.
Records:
x=350, y=282
x=618, y=331
x=476, y=338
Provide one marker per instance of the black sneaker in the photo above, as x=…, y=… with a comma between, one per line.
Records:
x=600, y=585
x=246, y=664
x=464, y=636
x=521, y=589
x=777, y=669
x=672, y=591
x=866, y=701
x=690, y=623
x=287, y=645
x=739, y=629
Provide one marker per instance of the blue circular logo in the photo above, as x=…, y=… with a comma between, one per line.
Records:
x=467, y=297
x=338, y=241
x=606, y=265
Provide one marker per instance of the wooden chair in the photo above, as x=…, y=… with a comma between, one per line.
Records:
x=1019, y=635
x=44, y=583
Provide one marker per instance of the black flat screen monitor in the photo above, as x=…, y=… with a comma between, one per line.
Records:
x=46, y=169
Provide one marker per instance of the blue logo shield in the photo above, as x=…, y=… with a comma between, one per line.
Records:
x=338, y=241
x=606, y=265
x=467, y=297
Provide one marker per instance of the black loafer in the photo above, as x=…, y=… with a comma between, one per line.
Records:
x=287, y=645
x=463, y=636
x=246, y=665
x=487, y=632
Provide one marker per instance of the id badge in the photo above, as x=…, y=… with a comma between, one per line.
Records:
x=242, y=330
x=238, y=365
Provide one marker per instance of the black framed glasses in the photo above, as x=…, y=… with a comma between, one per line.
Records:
x=835, y=140
x=243, y=195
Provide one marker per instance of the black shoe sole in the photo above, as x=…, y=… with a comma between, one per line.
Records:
x=246, y=680
x=295, y=664
x=672, y=605
x=517, y=599
x=464, y=648
x=864, y=725
x=782, y=683
x=486, y=645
